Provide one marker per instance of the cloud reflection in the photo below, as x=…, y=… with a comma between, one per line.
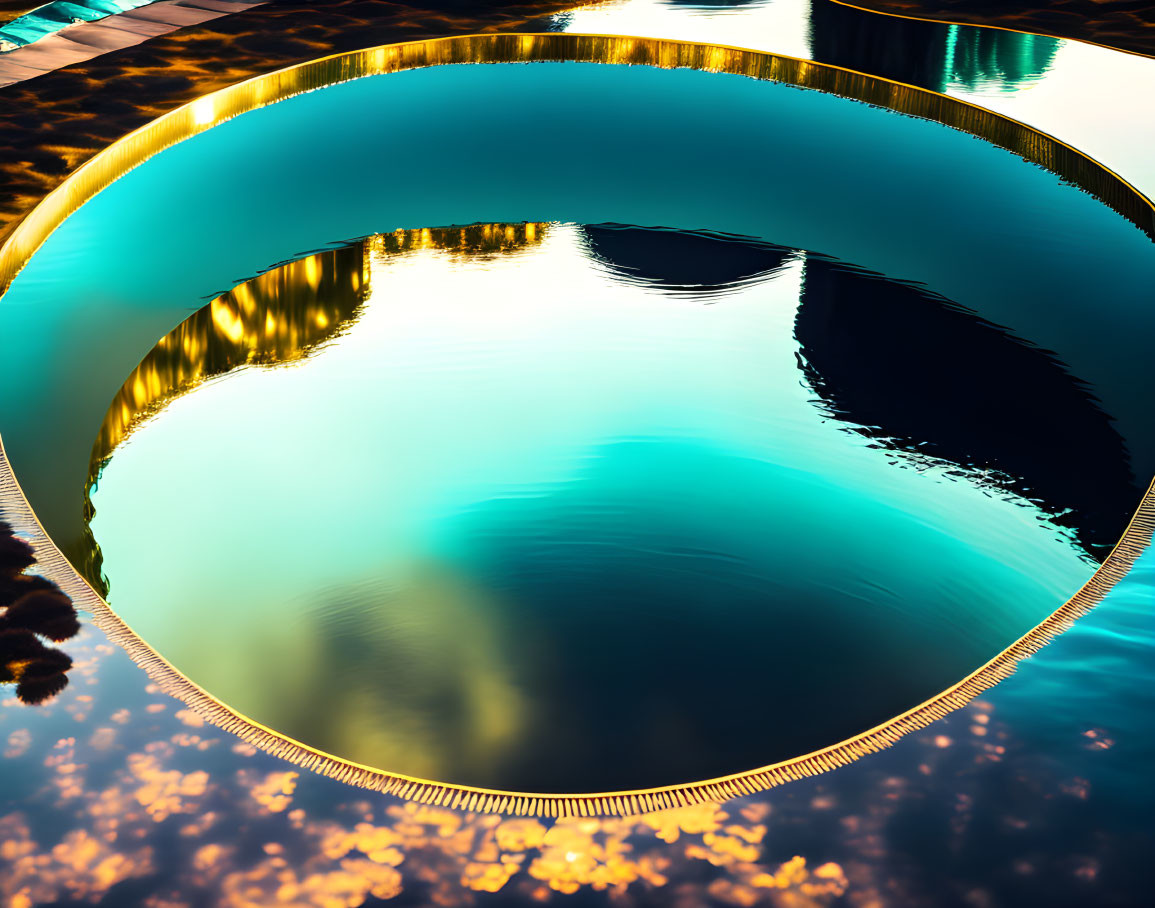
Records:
x=153, y=818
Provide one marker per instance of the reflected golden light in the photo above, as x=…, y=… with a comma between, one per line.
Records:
x=358, y=849
x=276, y=318
x=279, y=317
x=203, y=110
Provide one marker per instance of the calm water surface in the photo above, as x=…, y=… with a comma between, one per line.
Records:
x=521, y=520
x=566, y=513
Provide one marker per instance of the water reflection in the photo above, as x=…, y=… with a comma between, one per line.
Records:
x=681, y=261
x=509, y=619
x=32, y=610
x=916, y=373
x=471, y=241
x=996, y=819
x=404, y=437
x=980, y=58
x=664, y=553
x=928, y=54
x=933, y=55
x=278, y=318
x=930, y=379
x=142, y=797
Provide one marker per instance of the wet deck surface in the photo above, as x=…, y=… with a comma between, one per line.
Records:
x=86, y=40
x=53, y=123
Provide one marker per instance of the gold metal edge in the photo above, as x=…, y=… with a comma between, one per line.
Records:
x=190, y=119
x=1000, y=28
x=210, y=110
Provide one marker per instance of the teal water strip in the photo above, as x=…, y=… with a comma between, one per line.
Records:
x=54, y=17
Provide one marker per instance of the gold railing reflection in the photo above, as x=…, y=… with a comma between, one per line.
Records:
x=470, y=241
x=276, y=318
x=215, y=108
x=279, y=317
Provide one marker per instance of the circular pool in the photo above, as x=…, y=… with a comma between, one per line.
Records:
x=560, y=425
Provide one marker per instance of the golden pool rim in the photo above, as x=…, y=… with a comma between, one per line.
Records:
x=203, y=113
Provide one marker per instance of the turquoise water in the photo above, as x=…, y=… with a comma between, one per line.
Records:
x=542, y=530
x=528, y=519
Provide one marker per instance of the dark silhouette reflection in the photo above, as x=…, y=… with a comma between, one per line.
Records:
x=682, y=261
x=670, y=590
x=32, y=610
x=928, y=54
x=917, y=373
x=926, y=377
x=714, y=4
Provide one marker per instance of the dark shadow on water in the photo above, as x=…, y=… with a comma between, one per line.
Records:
x=917, y=373
x=681, y=261
x=32, y=610
x=925, y=377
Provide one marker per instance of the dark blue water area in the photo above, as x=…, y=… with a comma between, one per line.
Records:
x=1097, y=681
x=675, y=593
x=1061, y=816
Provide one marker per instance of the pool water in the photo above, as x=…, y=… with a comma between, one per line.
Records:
x=554, y=529
x=707, y=454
